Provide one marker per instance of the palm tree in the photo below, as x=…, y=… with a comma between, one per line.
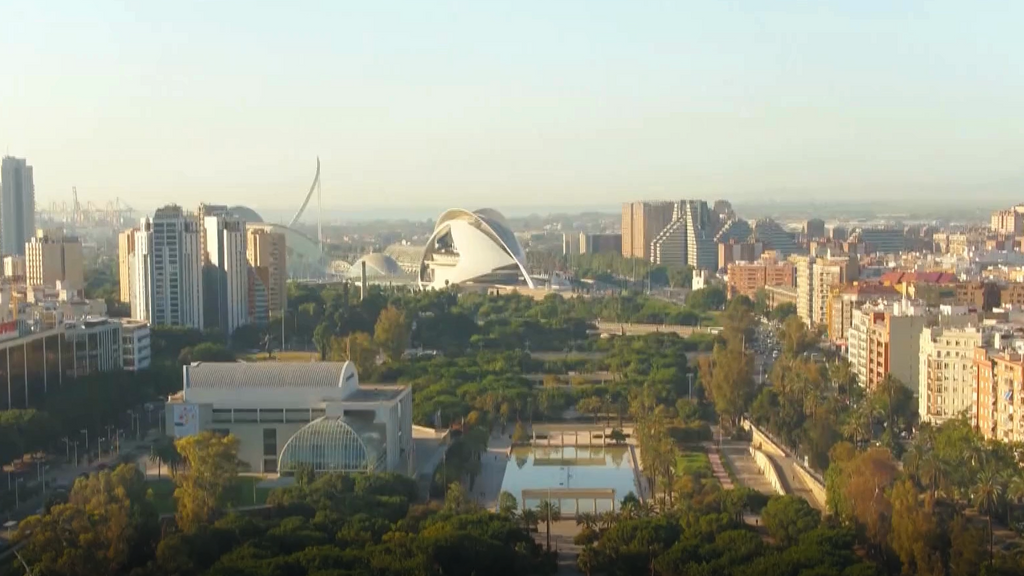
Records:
x=1014, y=493
x=551, y=513
x=588, y=520
x=987, y=493
x=931, y=471
x=529, y=519
x=605, y=520
x=587, y=560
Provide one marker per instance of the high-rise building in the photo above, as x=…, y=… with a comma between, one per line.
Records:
x=268, y=249
x=814, y=229
x=204, y=211
x=774, y=237
x=804, y=281
x=998, y=373
x=228, y=271
x=669, y=246
x=827, y=273
x=838, y=233
x=17, y=205
x=883, y=240
x=600, y=243
x=571, y=243
x=259, y=279
x=125, y=252
x=843, y=300
x=947, y=386
x=166, y=270
x=52, y=257
x=1009, y=222
x=641, y=222
x=14, y=268
x=732, y=251
x=701, y=225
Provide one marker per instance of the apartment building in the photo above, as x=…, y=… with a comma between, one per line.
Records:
x=885, y=338
x=733, y=251
x=125, y=252
x=747, y=278
x=641, y=222
x=600, y=243
x=166, y=270
x=268, y=250
x=999, y=377
x=227, y=275
x=844, y=299
x=52, y=257
x=1009, y=222
x=947, y=386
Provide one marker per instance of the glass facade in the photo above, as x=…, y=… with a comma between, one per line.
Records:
x=329, y=444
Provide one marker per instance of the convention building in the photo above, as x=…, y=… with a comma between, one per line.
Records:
x=473, y=248
x=287, y=415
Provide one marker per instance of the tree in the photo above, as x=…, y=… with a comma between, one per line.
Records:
x=507, y=503
x=709, y=298
x=519, y=434
x=392, y=333
x=107, y=526
x=795, y=337
x=782, y=312
x=206, y=352
x=590, y=405
x=729, y=380
x=550, y=512
x=988, y=492
x=914, y=530
x=164, y=451
x=617, y=436
x=212, y=466
x=787, y=518
x=867, y=479
x=358, y=348
x=456, y=498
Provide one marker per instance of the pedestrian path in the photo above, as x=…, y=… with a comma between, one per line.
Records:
x=717, y=468
x=738, y=456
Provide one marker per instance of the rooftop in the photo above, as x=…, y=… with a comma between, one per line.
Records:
x=264, y=375
x=375, y=393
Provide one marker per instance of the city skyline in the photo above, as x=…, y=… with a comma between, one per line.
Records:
x=582, y=104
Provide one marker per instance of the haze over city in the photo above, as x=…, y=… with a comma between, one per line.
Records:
x=575, y=103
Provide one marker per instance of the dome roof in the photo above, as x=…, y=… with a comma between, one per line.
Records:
x=377, y=264
x=246, y=213
x=472, y=246
x=335, y=444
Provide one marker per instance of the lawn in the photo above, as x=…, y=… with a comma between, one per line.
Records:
x=240, y=493
x=693, y=463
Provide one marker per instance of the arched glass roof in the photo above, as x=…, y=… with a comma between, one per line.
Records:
x=330, y=444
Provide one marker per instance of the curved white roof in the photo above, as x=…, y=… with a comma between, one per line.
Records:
x=471, y=246
x=377, y=265
x=274, y=375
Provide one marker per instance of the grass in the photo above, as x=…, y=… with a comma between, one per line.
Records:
x=693, y=463
x=239, y=494
x=286, y=356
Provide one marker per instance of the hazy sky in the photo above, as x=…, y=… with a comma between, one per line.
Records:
x=518, y=103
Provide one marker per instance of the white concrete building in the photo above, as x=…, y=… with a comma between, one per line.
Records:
x=473, y=248
x=166, y=268
x=226, y=252
x=286, y=415
x=136, y=350
x=947, y=387
x=96, y=345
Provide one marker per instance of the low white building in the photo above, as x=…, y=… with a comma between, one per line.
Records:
x=289, y=414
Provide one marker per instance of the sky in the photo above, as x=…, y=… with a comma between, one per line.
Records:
x=560, y=103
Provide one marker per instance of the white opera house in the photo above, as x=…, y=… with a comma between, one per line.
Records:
x=473, y=248
x=286, y=415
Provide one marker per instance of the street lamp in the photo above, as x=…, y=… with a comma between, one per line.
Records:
x=99, y=450
x=67, y=449
x=110, y=429
x=17, y=499
x=76, y=453
x=86, y=432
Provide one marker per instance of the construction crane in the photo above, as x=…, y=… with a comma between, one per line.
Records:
x=78, y=208
x=115, y=214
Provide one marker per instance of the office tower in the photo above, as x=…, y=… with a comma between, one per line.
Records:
x=641, y=222
x=227, y=273
x=259, y=279
x=125, y=250
x=600, y=243
x=838, y=233
x=814, y=229
x=166, y=270
x=268, y=249
x=17, y=205
x=52, y=257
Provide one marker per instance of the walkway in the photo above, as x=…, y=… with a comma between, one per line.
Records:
x=793, y=483
x=717, y=468
x=738, y=456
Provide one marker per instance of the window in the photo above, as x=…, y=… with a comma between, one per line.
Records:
x=293, y=415
x=272, y=415
x=270, y=442
x=270, y=465
x=247, y=415
x=221, y=415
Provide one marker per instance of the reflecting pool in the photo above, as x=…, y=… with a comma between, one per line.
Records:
x=579, y=478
